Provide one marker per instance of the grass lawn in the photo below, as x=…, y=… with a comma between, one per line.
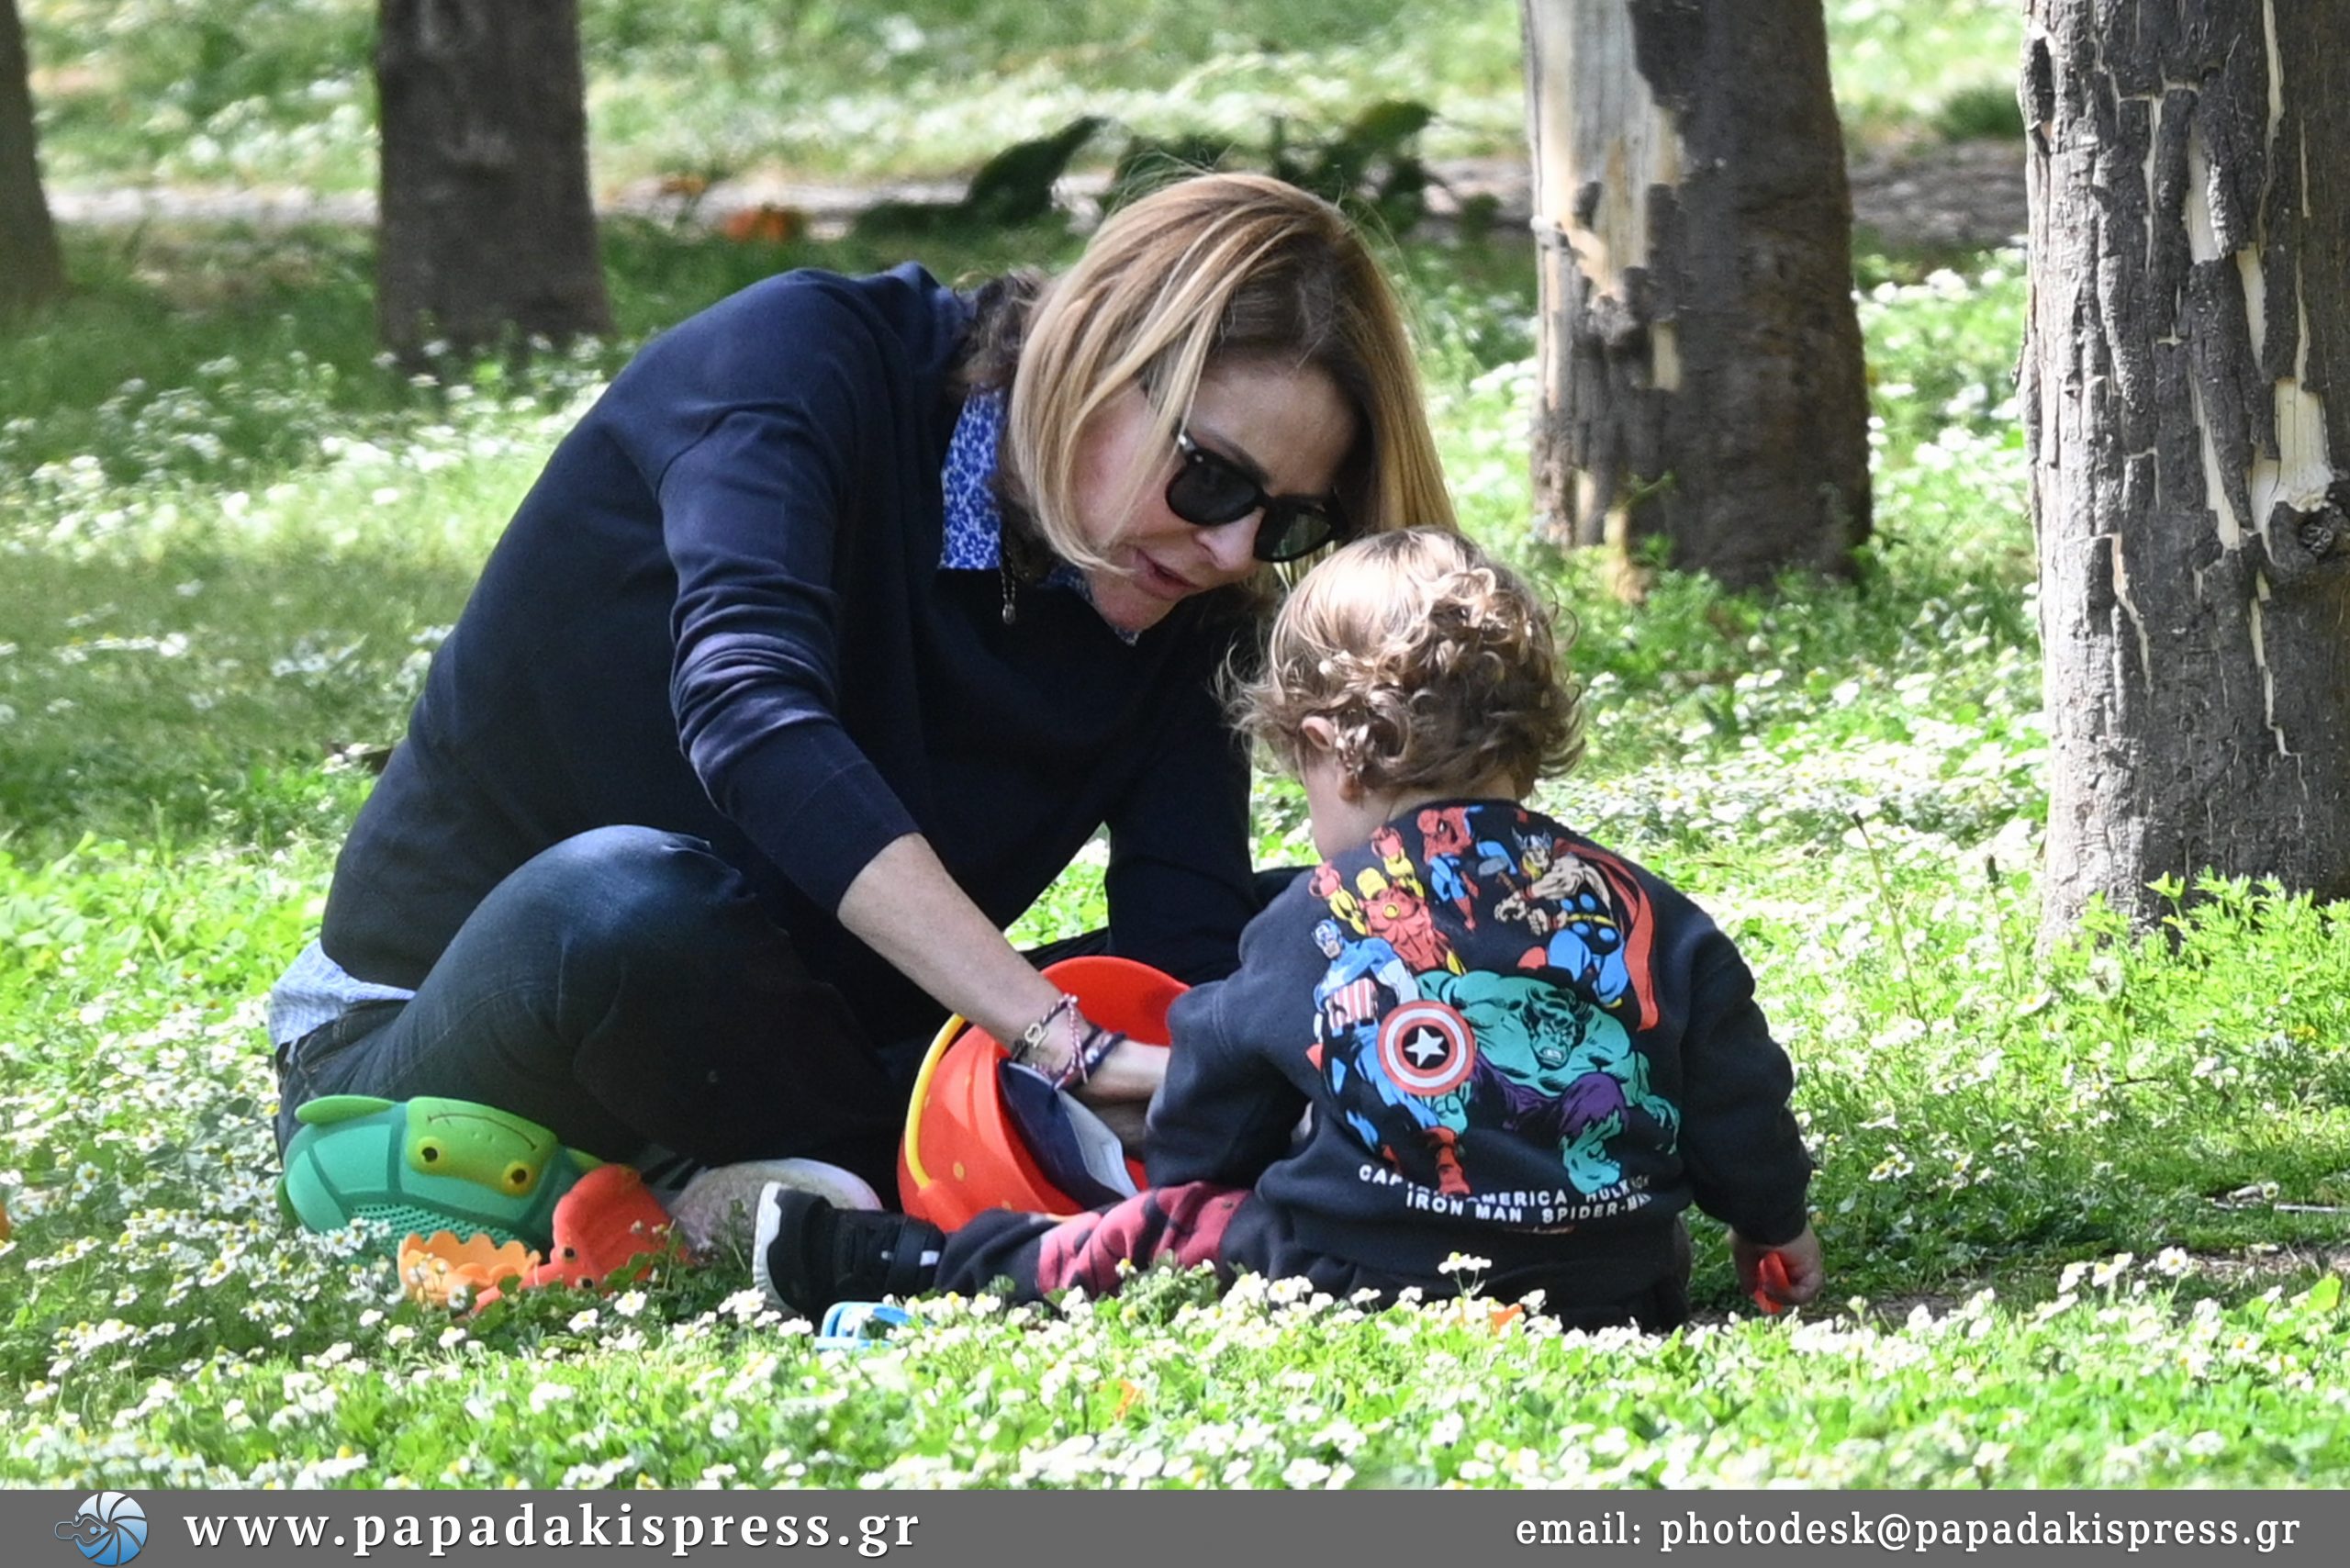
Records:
x=2077, y=1203
x=278, y=92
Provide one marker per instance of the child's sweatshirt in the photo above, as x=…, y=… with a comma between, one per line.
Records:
x=1515, y=1044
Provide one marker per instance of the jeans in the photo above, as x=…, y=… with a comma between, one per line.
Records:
x=625, y=988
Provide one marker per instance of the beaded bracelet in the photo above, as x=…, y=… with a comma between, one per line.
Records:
x=1095, y=1051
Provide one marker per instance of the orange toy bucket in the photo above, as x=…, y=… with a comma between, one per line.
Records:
x=961, y=1155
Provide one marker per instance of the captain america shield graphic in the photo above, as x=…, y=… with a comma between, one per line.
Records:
x=1426, y=1048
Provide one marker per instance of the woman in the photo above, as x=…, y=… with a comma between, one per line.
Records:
x=851, y=610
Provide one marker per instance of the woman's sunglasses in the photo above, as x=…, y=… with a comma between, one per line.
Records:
x=1208, y=491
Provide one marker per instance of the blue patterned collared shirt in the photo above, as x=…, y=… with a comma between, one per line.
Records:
x=973, y=538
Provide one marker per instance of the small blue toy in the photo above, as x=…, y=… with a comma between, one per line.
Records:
x=859, y=1325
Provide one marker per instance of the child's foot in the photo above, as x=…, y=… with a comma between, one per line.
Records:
x=720, y=1207
x=808, y=1255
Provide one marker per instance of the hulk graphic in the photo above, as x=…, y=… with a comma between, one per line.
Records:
x=1550, y=1067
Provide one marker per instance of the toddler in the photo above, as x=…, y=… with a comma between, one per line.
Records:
x=1469, y=1030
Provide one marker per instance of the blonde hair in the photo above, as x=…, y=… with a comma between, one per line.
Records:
x=1435, y=665
x=1219, y=268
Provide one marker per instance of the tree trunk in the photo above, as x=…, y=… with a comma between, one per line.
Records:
x=487, y=228
x=2190, y=233
x=1701, y=371
x=31, y=267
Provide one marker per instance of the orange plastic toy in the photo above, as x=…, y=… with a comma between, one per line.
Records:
x=1771, y=1276
x=609, y=1220
x=434, y=1269
x=961, y=1156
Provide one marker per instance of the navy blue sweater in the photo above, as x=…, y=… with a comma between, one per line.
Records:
x=1515, y=1044
x=720, y=612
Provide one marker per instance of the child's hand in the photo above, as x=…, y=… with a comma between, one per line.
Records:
x=1796, y=1280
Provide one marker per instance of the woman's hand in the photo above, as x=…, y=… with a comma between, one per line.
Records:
x=1112, y=1075
x=1121, y=1089
x=906, y=908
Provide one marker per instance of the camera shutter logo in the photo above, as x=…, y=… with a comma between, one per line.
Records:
x=109, y=1529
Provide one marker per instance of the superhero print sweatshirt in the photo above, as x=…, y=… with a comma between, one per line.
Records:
x=1512, y=1043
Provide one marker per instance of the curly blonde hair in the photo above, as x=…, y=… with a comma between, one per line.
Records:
x=1435, y=665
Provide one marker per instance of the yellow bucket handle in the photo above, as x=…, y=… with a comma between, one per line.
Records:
x=931, y=1059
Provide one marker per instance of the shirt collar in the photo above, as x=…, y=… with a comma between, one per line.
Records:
x=972, y=540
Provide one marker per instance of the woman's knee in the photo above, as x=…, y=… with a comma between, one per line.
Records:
x=628, y=891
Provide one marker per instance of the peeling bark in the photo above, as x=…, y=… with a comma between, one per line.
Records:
x=2189, y=243
x=1701, y=377
x=31, y=267
x=487, y=228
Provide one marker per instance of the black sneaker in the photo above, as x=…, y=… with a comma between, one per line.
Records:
x=808, y=1255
